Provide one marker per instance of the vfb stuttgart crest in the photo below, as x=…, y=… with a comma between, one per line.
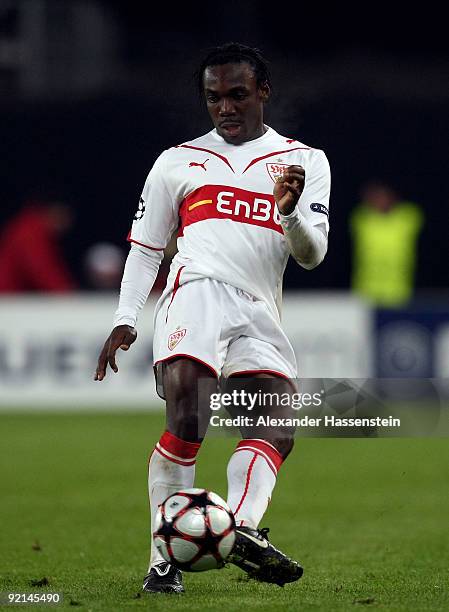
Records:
x=175, y=338
x=276, y=170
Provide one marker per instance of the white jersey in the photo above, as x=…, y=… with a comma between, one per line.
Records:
x=220, y=197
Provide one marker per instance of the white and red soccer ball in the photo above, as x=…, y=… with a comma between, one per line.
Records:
x=194, y=530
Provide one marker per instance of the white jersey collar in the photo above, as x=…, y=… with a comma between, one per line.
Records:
x=249, y=143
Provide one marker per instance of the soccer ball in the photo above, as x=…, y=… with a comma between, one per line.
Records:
x=194, y=530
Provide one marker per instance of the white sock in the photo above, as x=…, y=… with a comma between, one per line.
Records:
x=171, y=468
x=252, y=472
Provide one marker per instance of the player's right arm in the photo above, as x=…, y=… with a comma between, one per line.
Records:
x=153, y=225
x=302, y=197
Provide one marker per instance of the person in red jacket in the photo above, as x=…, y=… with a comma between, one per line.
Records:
x=30, y=256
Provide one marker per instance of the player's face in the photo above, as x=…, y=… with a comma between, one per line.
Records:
x=235, y=101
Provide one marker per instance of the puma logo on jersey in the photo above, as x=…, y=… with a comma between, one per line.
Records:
x=203, y=165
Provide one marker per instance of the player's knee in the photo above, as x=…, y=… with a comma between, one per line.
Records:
x=181, y=390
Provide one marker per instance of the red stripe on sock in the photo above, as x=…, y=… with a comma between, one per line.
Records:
x=177, y=446
x=266, y=448
x=268, y=462
x=178, y=461
x=248, y=478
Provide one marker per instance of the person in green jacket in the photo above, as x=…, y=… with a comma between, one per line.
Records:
x=385, y=233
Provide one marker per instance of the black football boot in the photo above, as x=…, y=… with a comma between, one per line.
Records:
x=163, y=578
x=254, y=554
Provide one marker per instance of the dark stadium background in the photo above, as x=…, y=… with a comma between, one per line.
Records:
x=112, y=85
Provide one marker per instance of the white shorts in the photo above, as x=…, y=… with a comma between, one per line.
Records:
x=225, y=328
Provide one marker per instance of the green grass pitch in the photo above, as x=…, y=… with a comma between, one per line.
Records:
x=367, y=518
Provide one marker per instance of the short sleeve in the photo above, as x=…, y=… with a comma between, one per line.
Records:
x=314, y=201
x=156, y=217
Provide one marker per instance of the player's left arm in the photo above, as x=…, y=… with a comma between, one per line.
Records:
x=303, y=202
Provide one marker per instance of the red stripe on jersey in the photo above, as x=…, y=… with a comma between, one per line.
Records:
x=129, y=239
x=232, y=203
x=222, y=157
x=258, y=159
x=175, y=289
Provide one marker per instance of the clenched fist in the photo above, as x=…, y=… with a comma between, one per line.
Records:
x=288, y=189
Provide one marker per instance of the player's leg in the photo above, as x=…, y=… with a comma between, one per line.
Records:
x=186, y=349
x=194, y=321
x=253, y=467
x=172, y=463
x=252, y=473
x=262, y=353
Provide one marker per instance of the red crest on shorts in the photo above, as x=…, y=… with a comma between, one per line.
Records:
x=276, y=170
x=175, y=338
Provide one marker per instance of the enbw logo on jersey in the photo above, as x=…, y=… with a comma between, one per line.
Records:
x=221, y=202
x=257, y=209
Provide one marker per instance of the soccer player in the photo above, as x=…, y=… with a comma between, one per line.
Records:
x=243, y=198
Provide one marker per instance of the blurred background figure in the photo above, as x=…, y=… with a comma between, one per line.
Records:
x=385, y=233
x=104, y=264
x=31, y=258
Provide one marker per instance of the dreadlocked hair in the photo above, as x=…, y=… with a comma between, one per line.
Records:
x=235, y=53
